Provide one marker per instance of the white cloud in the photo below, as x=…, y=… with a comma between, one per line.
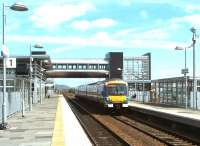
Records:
x=99, y=39
x=105, y=22
x=151, y=44
x=102, y=39
x=50, y=15
x=166, y=73
x=59, y=50
x=99, y=23
x=160, y=37
x=105, y=40
x=153, y=34
x=81, y=25
x=153, y=39
x=193, y=20
x=170, y=2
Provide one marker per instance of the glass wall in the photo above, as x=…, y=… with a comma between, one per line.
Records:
x=136, y=68
x=171, y=91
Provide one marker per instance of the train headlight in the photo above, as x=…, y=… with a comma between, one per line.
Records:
x=107, y=98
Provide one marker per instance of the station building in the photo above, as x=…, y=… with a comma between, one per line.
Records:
x=25, y=75
x=137, y=72
x=28, y=75
x=172, y=91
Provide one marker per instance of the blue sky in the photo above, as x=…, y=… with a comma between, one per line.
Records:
x=90, y=29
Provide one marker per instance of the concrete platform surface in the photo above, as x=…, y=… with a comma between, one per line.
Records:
x=179, y=112
x=73, y=131
x=35, y=129
x=49, y=124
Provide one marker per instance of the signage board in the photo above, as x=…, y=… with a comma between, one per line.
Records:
x=10, y=62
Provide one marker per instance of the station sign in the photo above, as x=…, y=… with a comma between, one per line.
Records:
x=184, y=71
x=10, y=62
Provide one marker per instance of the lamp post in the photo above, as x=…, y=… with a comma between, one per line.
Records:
x=185, y=71
x=31, y=70
x=41, y=82
x=30, y=88
x=41, y=85
x=138, y=78
x=15, y=7
x=143, y=86
x=193, y=30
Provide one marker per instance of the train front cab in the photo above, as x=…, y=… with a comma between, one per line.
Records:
x=115, y=94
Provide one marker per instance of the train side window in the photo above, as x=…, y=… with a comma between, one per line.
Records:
x=90, y=66
x=74, y=66
x=84, y=67
x=59, y=66
x=70, y=66
x=64, y=66
x=80, y=66
x=95, y=67
x=54, y=66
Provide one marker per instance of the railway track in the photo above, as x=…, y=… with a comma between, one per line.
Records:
x=130, y=131
x=97, y=133
x=187, y=132
x=164, y=137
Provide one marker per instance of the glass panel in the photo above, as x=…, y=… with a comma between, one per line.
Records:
x=64, y=66
x=70, y=66
x=118, y=89
x=10, y=82
x=59, y=66
x=80, y=66
x=74, y=66
x=54, y=66
x=84, y=66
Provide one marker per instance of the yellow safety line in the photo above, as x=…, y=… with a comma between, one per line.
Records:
x=58, y=133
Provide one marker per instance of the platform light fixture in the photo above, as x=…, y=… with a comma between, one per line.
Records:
x=194, y=36
x=18, y=7
x=39, y=46
x=14, y=7
x=185, y=71
x=193, y=30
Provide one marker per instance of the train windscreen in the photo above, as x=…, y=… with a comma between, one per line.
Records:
x=117, y=89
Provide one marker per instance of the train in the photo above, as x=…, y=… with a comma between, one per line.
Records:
x=112, y=93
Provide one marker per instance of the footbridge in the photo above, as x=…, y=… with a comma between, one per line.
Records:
x=114, y=65
x=79, y=68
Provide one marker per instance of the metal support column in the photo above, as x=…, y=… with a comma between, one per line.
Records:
x=4, y=113
x=22, y=98
x=41, y=88
x=193, y=30
x=30, y=86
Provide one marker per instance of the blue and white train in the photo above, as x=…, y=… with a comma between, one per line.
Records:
x=111, y=93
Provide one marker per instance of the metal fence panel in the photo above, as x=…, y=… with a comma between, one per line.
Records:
x=14, y=95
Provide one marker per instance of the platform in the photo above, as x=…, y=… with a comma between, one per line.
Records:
x=49, y=124
x=186, y=116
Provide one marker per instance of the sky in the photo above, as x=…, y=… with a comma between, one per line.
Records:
x=92, y=28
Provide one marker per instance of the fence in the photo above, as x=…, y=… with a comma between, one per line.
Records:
x=145, y=97
x=17, y=95
x=140, y=96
